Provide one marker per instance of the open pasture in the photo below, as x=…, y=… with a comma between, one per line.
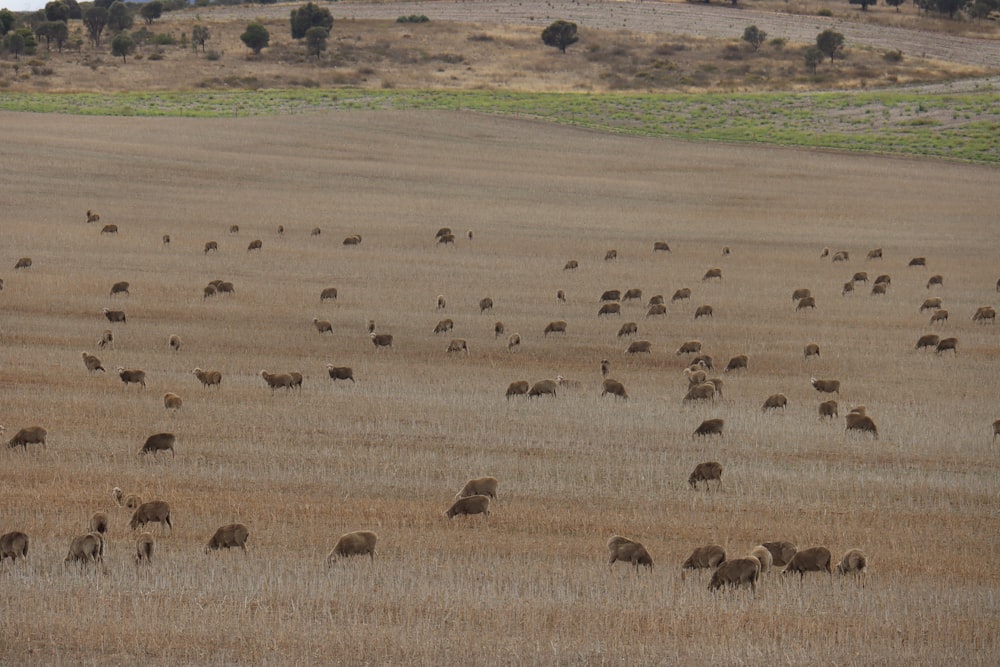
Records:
x=388, y=452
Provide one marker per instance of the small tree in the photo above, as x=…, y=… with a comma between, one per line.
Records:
x=894, y=3
x=864, y=3
x=52, y=30
x=95, y=20
x=830, y=43
x=813, y=58
x=119, y=17
x=13, y=42
x=151, y=11
x=754, y=36
x=561, y=34
x=308, y=16
x=122, y=45
x=199, y=35
x=316, y=40
x=256, y=37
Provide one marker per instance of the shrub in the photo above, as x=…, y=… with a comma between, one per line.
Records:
x=212, y=55
x=824, y=12
x=413, y=18
x=893, y=56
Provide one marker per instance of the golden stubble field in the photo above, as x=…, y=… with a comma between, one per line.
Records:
x=389, y=452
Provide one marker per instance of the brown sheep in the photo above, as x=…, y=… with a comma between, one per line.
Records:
x=633, y=293
x=661, y=246
x=883, y=279
x=144, y=546
x=700, y=392
x=861, y=422
x=486, y=303
x=775, y=401
x=32, y=435
x=878, y=289
x=946, y=344
x=726, y=251
x=480, y=486
x=996, y=429
x=371, y=326
x=656, y=309
x=130, y=501
x=340, y=372
x=710, y=427
x=517, y=388
x=514, y=342
x=704, y=360
x=234, y=229
x=458, y=345
x=735, y=573
x=87, y=548
x=114, y=315
x=705, y=472
x=801, y=293
x=159, y=442
x=208, y=378
x=447, y=239
x=119, y=288
x=166, y=239
x=478, y=504
x=860, y=277
x=444, y=231
x=781, y=552
x=328, y=294
x=571, y=264
x=655, y=299
x=211, y=246
x=936, y=279
x=712, y=273
x=615, y=388
x=875, y=253
x=444, y=325
x=610, y=309
x=928, y=340
x=939, y=315
x=848, y=288
x=918, y=261
x=930, y=304
x=764, y=556
x=681, y=294
x=689, y=347
x=826, y=252
x=543, y=387
x=296, y=380
x=841, y=256
x=985, y=314
x=628, y=329
x=556, y=326
x=13, y=545
x=323, y=326
x=738, y=362
x=561, y=296
x=172, y=401
x=813, y=559
x=92, y=363
x=810, y=350
x=93, y=216
x=826, y=386
x=109, y=229
x=277, y=380
x=208, y=291
x=703, y=311
x=695, y=375
x=628, y=551
x=281, y=230
x=23, y=263
x=353, y=239
x=610, y=255
x=611, y=295
x=155, y=511
x=99, y=523
x=498, y=329
x=854, y=561
x=107, y=338
x=639, y=347
x=223, y=286
x=228, y=536
x=828, y=409
x=704, y=558
x=256, y=244
x=358, y=543
x=806, y=302
x=316, y=231
x=132, y=376
x=381, y=340
x=174, y=342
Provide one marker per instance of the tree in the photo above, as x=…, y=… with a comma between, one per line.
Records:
x=950, y=7
x=256, y=37
x=316, y=40
x=52, y=30
x=561, y=34
x=151, y=11
x=754, y=36
x=57, y=11
x=981, y=9
x=308, y=16
x=119, y=17
x=7, y=20
x=199, y=35
x=122, y=45
x=95, y=20
x=830, y=43
x=894, y=3
x=864, y=3
x=13, y=42
x=813, y=58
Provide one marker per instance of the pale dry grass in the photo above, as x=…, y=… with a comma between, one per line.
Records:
x=389, y=452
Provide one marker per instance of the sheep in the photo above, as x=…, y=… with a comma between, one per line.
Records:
x=107, y=338
x=700, y=392
x=656, y=309
x=610, y=255
x=875, y=253
x=340, y=372
x=861, y=422
x=469, y=234
x=918, y=261
x=234, y=229
x=1, y=284
x=13, y=545
x=447, y=239
x=946, y=344
x=611, y=295
x=114, y=315
x=208, y=291
x=801, y=293
x=996, y=429
x=828, y=409
x=316, y=231
x=632, y=293
x=23, y=263
x=660, y=246
x=928, y=340
x=883, y=279
x=132, y=376
x=172, y=401
x=458, y=345
x=256, y=244
x=328, y=294
x=782, y=552
x=561, y=296
x=813, y=559
x=514, y=342
x=655, y=299
x=120, y=287
x=985, y=314
x=807, y=302
x=570, y=265
x=566, y=382
x=441, y=303
x=930, y=304
x=712, y=273
x=174, y=341
x=87, y=548
x=32, y=435
x=93, y=216
x=543, y=387
x=628, y=329
x=130, y=501
x=628, y=551
x=848, y=288
x=228, y=536
x=498, y=329
x=477, y=504
x=705, y=472
x=281, y=230
x=444, y=231
x=144, y=546
x=681, y=294
x=859, y=410
x=371, y=326
x=689, y=347
x=517, y=388
x=296, y=380
x=840, y=256
x=710, y=427
x=166, y=239
x=211, y=246
x=358, y=543
x=92, y=363
x=878, y=289
x=695, y=375
x=639, y=347
x=717, y=383
x=208, y=378
x=277, y=380
x=480, y=486
x=554, y=327
x=826, y=386
x=381, y=340
x=738, y=362
x=99, y=523
x=605, y=367
x=854, y=561
x=936, y=279
x=726, y=251
x=763, y=556
x=703, y=311
x=323, y=326
x=704, y=360
x=735, y=573
x=615, y=388
x=860, y=277
x=775, y=401
x=939, y=315
x=155, y=511
x=810, y=350
x=486, y=303
x=610, y=309
x=109, y=229
x=704, y=558
x=998, y=284
x=159, y=442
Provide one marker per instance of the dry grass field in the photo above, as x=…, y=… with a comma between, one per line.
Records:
x=388, y=453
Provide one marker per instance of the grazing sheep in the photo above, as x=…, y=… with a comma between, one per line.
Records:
x=848, y=287
x=883, y=279
x=23, y=263
x=381, y=340
x=340, y=372
x=107, y=338
x=656, y=309
x=996, y=429
x=172, y=401
x=281, y=230
x=543, y=387
x=120, y=287
x=860, y=410
x=323, y=326
x=486, y=303
x=478, y=504
x=114, y=315
x=87, y=548
x=358, y=543
x=764, y=556
x=296, y=380
x=155, y=511
x=918, y=261
x=930, y=304
x=605, y=367
x=726, y=251
x=92, y=363
x=234, y=229
x=700, y=392
x=458, y=345
x=158, y=443
x=939, y=315
x=328, y=294
x=610, y=309
x=703, y=311
x=854, y=561
x=861, y=422
x=316, y=231
x=166, y=239
x=639, y=347
x=781, y=552
x=813, y=559
x=628, y=329
x=93, y=216
x=633, y=293
x=561, y=296
x=517, y=388
x=109, y=229
x=875, y=253
x=144, y=546
x=946, y=344
x=208, y=291
x=704, y=558
x=447, y=239
x=571, y=264
x=704, y=360
x=615, y=388
x=936, y=279
x=810, y=350
x=277, y=380
x=611, y=295
x=878, y=289
x=806, y=302
x=705, y=472
x=826, y=251
x=681, y=294
x=735, y=573
x=444, y=231
x=826, y=386
x=928, y=340
x=211, y=246
x=228, y=536
x=775, y=401
x=514, y=342
x=717, y=383
x=712, y=273
x=174, y=342
x=610, y=255
x=498, y=329
x=860, y=277
x=132, y=376
x=801, y=293
x=256, y=244
x=480, y=486
x=738, y=362
x=985, y=314
x=655, y=299
x=208, y=378
x=32, y=435
x=710, y=427
x=554, y=327
x=695, y=375
x=660, y=246
x=841, y=256
x=371, y=326
x=99, y=523
x=689, y=347
x=13, y=545
x=628, y=551
x=828, y=409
